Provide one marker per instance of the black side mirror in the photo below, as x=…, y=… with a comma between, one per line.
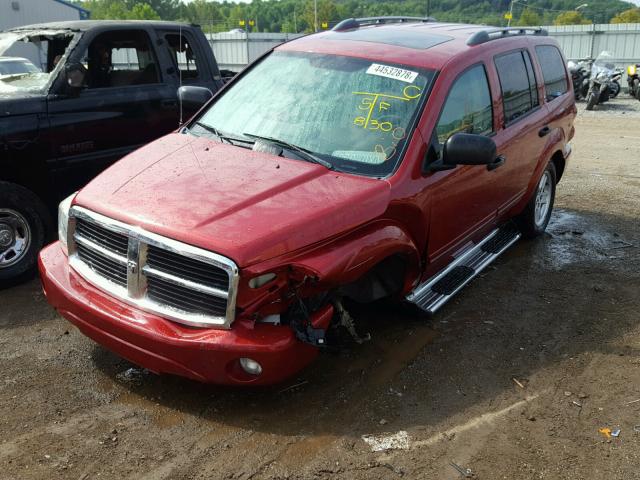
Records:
x=194, y=97
x=76, y=75
x=468, y=149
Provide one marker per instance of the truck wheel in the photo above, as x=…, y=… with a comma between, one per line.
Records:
x=24, y=223
x=591, y=101
x=534, y=218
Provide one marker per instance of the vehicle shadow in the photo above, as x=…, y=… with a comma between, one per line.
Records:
x=572, y=291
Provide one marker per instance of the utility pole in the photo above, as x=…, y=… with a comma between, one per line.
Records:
x=428, y=8
x=295, y=22
x=315, y=15
x=510, y=14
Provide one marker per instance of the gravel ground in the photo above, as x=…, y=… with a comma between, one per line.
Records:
x=513, y=379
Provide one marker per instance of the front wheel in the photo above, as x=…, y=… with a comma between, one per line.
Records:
x=535, y=217
x=615, y=89
x=592, y=99
x=24, y=223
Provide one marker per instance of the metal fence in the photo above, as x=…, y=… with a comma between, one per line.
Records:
x=235, y=50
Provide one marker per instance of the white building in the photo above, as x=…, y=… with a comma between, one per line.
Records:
x=15, y=13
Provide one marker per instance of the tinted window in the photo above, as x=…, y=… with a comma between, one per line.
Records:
x=468, y=106
x=183, y=55
x=553, y=71
x=119, y=59
x=518, y=84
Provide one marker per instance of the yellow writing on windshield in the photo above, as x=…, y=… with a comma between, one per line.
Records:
x=377, y=103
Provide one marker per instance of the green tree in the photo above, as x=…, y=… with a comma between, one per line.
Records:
x=143, y=11
x=529, y=17
x=628, y=16
x=570, y=18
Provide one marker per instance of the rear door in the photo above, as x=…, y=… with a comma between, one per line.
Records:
x=522, y=119
x=124, y=105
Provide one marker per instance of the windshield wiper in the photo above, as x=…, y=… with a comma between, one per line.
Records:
x=221, y=135
x=302, y=152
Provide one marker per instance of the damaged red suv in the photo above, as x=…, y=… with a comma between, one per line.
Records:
x=389, y=157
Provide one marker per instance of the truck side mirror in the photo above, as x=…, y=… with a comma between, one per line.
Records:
x=194, y=97
x=469, y=149
x=76, y=75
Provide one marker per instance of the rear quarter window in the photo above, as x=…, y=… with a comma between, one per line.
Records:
x=553, y=71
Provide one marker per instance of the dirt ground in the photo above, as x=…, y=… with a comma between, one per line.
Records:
x=513, y=379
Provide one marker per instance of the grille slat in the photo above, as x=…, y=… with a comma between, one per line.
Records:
x=183, y=283
x=185, y=299
x=106, y=238
x=105, y=266
x=187, y=268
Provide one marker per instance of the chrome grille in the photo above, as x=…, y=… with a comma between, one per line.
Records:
x=178, y=281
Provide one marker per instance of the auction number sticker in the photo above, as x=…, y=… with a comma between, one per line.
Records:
x=392, y=72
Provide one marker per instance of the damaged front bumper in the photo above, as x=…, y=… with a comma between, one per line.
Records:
x=162, y=346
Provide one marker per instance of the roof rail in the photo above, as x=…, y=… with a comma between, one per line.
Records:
x=351, y=23
x=484, y=36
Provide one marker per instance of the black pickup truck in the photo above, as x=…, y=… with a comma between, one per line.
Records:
x=101, y=89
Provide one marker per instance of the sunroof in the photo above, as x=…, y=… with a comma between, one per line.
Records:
x=402, y=37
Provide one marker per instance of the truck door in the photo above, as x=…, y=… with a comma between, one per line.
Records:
x=464, y=199
x=123, y=105
x=521, y=138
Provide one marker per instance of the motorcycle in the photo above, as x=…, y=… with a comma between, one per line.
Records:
x=580, y=73
x=633, y=80
x=600, y=84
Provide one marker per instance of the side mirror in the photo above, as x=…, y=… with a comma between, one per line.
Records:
x=194, y=97
x=469, y=149
x=75, y=74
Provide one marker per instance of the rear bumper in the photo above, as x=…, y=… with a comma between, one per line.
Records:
x=162, y=346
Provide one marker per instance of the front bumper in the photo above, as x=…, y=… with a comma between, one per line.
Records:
x=162, y=346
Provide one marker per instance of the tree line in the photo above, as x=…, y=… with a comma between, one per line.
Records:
x=298, y=15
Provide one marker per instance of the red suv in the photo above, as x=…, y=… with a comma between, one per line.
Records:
x=389, y=157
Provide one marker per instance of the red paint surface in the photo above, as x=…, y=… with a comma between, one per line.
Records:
x=272, y=214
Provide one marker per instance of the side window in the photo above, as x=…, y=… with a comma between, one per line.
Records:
x=553, y=71
x=468, y=106
x=119, y=59
x=517, y=80
x=183, y=56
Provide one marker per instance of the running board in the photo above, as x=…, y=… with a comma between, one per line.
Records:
x=437, y=290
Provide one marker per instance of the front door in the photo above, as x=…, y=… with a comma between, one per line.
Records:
x=464, y=200
x=123, y=106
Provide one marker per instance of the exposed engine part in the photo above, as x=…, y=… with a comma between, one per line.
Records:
x=300, y=320
x=345, y=320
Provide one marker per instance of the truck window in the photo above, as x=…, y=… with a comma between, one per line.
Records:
x=517, y=80
x=120, y=59
x=183, y=56
x=553, y=71
x=468, y=106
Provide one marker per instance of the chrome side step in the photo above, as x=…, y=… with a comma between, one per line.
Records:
x=437, y=290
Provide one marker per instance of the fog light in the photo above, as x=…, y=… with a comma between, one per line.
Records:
x=250, y=366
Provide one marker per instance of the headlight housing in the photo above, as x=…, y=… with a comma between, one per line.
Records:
x=63, y=220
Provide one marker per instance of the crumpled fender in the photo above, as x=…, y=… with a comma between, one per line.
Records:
x=349, y=258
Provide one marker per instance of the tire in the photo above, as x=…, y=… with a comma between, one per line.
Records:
x=24, y=226
x=535, y=217
x=591, y=101
x=615, y=90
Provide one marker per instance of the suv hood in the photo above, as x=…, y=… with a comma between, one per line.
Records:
x=246, y=205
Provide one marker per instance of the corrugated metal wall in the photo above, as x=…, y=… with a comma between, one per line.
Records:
x=15, y=13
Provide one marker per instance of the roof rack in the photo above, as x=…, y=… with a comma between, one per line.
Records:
x=484, y=36
x=351, y=23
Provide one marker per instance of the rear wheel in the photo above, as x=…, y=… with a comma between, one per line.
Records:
x=24, y=223
x=535, y=217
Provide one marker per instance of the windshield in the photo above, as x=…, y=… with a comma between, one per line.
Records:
x=353, y=113
x=603, y=64
x=27, y=59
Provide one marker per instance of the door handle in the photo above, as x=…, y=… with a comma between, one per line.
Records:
x=498, y=162
x=544, y=131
